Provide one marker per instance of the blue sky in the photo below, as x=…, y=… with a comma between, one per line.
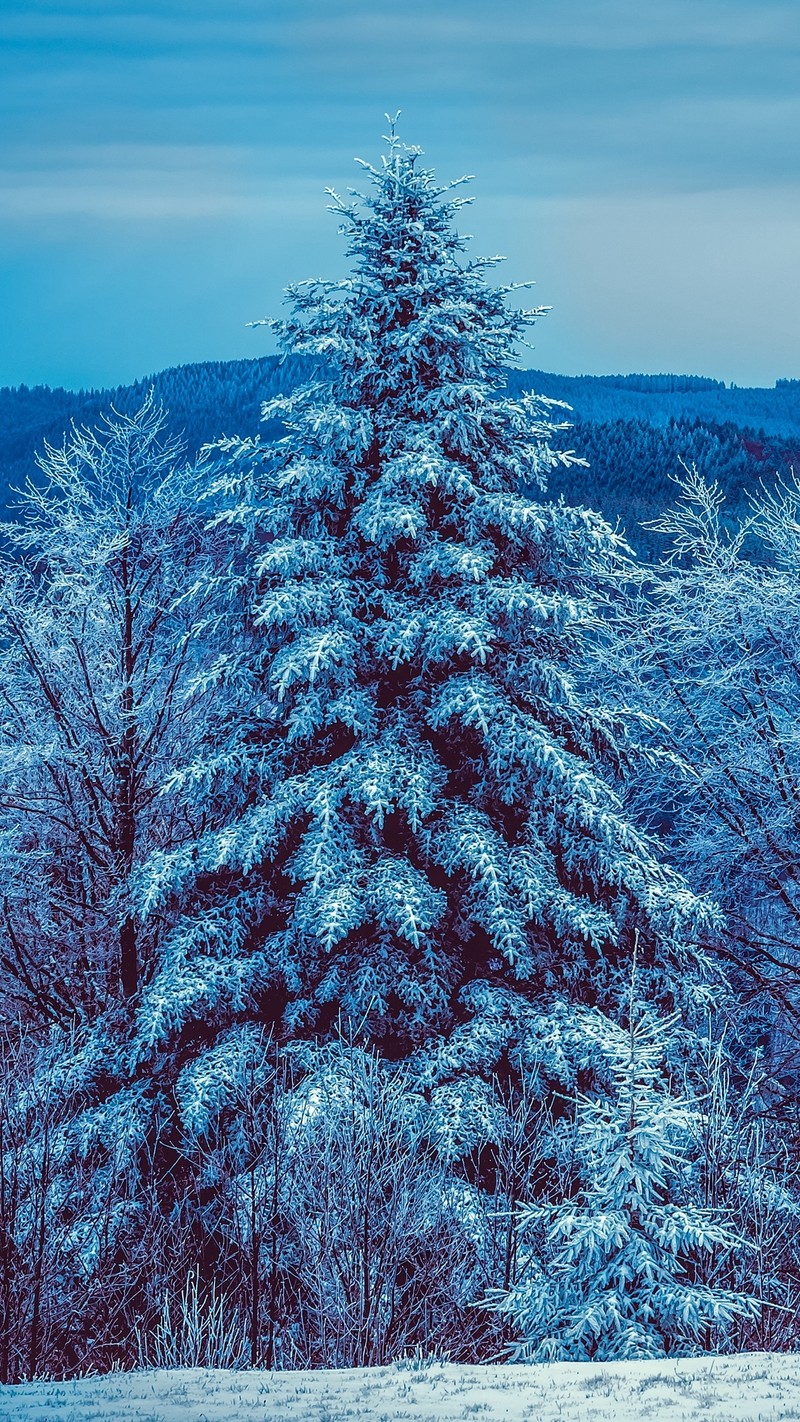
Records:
x=163, y=168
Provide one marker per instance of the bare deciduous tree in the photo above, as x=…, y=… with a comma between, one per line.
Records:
x=96, y=623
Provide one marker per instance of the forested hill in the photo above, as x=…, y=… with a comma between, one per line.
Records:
x=659, y=399
x=634, y=430
x=204, y=401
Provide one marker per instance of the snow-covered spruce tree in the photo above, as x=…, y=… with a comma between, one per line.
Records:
x=418, y=831
x=405, y=811
x=616, y=1270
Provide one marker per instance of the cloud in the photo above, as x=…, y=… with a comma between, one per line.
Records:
x=632, y=156
x=562, y=24
x=686, y=91
x=145, y=183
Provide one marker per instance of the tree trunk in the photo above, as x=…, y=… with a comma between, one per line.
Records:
x=126, y=778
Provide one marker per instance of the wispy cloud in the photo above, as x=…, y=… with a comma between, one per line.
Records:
x=625, y=24
x=134, y=133
x=144, y=183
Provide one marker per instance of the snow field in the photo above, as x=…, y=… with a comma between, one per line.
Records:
x=754, y=1387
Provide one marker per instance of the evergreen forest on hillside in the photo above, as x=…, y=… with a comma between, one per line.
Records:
x=400, y=918
x=635, y=431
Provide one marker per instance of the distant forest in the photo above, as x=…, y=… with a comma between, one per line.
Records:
x=634, y=430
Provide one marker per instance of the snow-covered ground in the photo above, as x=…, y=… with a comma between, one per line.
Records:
x=755, y=1387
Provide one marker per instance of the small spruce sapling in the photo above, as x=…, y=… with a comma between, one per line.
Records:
x=615, y=1273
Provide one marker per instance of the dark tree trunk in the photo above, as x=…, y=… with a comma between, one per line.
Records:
x=126, y=777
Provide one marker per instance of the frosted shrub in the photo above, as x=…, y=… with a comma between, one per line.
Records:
x=197, y=1329
x=342, y=1242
